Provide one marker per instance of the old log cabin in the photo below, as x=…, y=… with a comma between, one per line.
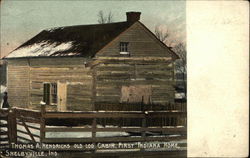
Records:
x=76, y=67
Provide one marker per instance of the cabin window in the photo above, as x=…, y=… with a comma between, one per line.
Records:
x=124, y=48
x=50, y=93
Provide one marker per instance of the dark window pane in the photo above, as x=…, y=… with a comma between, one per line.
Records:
x=46, y=93
x=54, y=93
x=123, y=46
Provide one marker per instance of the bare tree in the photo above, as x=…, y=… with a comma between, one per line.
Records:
x=161, y=35
x=102, y=19
x=181, y=63
x=179, y=48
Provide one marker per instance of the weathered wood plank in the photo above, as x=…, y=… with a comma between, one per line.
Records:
x=2, y=133
x=134, y=82
x=4, y=139
x=27, y=113
x=3, y=125
x=115, y=114
x=57, y=62
x=33, y=127
x=29, y=119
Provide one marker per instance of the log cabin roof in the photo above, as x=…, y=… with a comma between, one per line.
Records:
x=81, y=40
x=73, y=41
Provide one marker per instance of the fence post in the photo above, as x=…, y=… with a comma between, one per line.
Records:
x=94, y=132
x=9, y=126
x=14, y=126
x=42, y=122
x=144, y=125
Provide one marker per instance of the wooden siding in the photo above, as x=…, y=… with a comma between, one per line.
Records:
x=111, y=77
x=18, y=83
x=26, y=78
x=149, y=64
x=141, y=44
x=26, y=83
x=77, y=77
x=79, y=96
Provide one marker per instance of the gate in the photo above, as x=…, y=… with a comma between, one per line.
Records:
x=18, y=125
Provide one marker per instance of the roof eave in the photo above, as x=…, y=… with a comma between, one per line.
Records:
x=37, y=57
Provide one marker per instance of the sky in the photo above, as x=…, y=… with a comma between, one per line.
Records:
x=23, y=19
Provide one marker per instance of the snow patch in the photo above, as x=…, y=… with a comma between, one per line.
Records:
x=53, y=29
x=180, y=95
x=2, y=88
x=44, y=48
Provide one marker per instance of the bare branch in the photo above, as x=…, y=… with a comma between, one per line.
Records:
x=102, y=19
x=161, y=35
x=181, y=64
x=179, y=49
x=110, y=17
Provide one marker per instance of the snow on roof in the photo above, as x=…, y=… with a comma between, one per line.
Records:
x=44, y=48
x=53, y=29
x=80, y=40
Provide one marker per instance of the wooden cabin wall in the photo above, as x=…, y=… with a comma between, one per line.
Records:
x=18, y=83
x=70, y=71
x=79, y=96
x=111, y=77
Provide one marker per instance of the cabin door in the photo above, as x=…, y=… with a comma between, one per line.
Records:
x=62, y=96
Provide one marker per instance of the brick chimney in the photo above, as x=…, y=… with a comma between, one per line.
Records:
x=133, y=16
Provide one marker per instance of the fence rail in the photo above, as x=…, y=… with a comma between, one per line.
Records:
x=139, y=106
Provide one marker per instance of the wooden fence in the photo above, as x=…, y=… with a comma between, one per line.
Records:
x=20, y=125
x=4, y=129
x=28, y=125
x=39, y=126
x=140, y=106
